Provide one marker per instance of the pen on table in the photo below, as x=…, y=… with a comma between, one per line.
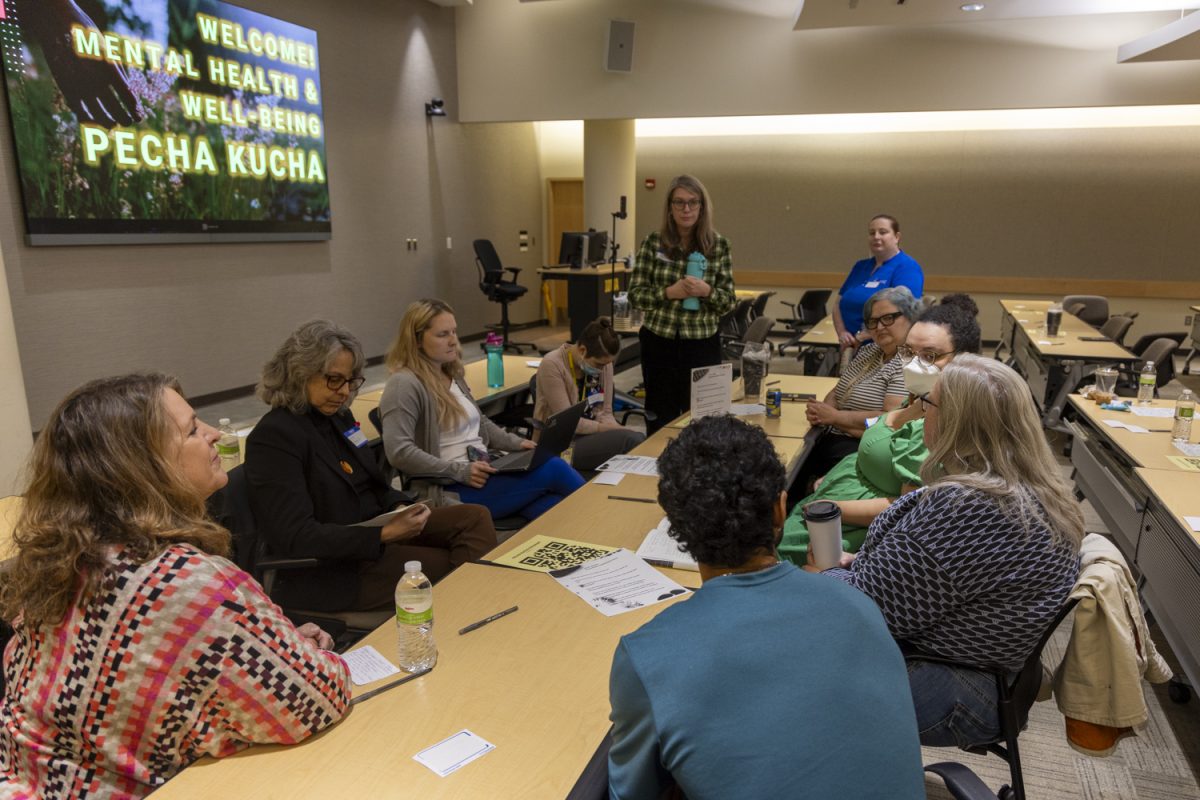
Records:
x=632, y=499
x=486, y=620
x=773, y=383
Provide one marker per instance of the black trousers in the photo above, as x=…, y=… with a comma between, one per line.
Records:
x=667, y=366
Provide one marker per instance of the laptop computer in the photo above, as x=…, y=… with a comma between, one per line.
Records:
x=556, y=437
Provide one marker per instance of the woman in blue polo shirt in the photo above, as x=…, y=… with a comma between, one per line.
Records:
x=888, y=266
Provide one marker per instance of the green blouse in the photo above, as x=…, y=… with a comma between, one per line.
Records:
x=886, y=460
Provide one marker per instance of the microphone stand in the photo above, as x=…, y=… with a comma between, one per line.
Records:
x=612, y=266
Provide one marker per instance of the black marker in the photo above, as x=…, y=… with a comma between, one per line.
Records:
x=486, y=620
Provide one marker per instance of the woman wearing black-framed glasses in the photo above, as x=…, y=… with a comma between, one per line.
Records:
x=312, y=478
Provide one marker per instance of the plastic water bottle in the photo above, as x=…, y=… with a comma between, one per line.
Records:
x=696, y=264
x=1185, y=409
x=227, y=445
x=495, y=360
x=414, y=619
x=1146, y=382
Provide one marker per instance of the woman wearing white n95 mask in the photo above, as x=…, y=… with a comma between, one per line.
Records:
x=889, y=458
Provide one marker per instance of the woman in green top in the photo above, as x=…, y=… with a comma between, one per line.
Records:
x=682, y=310
x=888, y=461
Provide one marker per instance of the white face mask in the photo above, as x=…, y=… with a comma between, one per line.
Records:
x=920, y=377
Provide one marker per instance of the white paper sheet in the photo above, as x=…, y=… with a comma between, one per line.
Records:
x=1192, y=450
x=1143, y=411
x=1129, y=426
x=367, y=664
x=609, y=478
x=456, y=751
x=385, y=517
x=618, y=582
x=711, y=389
x=659, y=549
x=534, y=362
x=746, y=409
x=631, y=465
x=1194, y=522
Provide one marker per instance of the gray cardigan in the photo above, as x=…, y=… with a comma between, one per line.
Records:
x=412, y=438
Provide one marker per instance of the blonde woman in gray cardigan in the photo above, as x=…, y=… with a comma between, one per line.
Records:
x=434, y=433
x=584, y=371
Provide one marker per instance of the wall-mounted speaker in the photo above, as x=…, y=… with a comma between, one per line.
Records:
x=619, y=53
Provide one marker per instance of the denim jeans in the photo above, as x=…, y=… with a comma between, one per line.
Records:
x=956, y=706
x=527, y=494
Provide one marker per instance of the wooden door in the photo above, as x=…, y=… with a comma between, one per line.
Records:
x=564, y=213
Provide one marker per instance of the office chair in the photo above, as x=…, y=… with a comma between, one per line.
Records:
x=807, y=312
x=231, y=507
x=1116, y=328
x=758, y=306
x=498, y=290
x=734, y=324
x=1159, y=351
x=757, y=333
x=1166, y=370
x=1016, y=697
x=1094, y=311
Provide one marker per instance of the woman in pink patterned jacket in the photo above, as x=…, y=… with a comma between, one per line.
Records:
x=138, y=647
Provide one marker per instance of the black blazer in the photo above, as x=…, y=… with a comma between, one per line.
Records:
x=304, y=506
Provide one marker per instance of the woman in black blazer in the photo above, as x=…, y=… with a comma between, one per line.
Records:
x=311, y=478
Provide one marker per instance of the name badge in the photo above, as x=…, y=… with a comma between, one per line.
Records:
x=355, y=436
x=872, y=284
x=595, y=398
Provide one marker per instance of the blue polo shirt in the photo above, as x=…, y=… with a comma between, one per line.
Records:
x=865, y=280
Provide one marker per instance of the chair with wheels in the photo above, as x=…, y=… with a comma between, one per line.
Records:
x=231, y=507
x=733, y=325
x=1016, y=696
x=757, y=333
x=1159, y=352
x=806, y=313
x=758, y=306
x=498, y=290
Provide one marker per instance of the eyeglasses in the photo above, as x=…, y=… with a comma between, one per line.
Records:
x=335, y=382
x=884, y=321
x=926, y=403
x=928, y=356
x=679, y=204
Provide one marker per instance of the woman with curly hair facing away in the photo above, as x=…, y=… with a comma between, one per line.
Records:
x=731, y=693
x=138, y=647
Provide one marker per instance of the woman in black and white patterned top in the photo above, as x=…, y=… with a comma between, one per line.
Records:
x=871, y=384
x=974, y=566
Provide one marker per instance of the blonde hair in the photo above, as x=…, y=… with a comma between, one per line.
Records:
x=103, y=473
x=990, y=439
x=406, y=353
x=704, y=238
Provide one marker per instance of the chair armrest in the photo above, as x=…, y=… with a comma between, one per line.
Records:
x=514, y=270
x=649, y=416
x=962, y=783
x=792, y=306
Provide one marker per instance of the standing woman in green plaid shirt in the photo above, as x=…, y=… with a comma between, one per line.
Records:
x=682, y=310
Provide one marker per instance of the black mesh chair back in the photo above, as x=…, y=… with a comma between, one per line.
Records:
x=812, y=306
x=758, y=306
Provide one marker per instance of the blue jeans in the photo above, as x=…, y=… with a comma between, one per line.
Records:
x=527, y=494
x=956, y=706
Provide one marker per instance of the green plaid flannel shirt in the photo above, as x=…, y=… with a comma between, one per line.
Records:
x=654, y=271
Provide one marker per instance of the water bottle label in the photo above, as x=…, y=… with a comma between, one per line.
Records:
x=1184, y=413
x=414, y=617
x=224, y=450
x=1150, y=379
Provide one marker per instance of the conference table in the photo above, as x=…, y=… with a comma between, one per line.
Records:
x=821, y=341
x=534, y=683
x=1053, y=365
x=1143, y=487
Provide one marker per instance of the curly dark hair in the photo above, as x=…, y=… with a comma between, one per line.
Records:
x=957, y=313
x=718, y=482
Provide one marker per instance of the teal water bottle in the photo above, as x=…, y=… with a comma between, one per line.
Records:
x=495, y=360
x=696, y=265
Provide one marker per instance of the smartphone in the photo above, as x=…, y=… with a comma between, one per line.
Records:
x=478, y=454
x=797, y=397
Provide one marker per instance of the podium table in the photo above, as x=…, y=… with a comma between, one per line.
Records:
x=589, y=291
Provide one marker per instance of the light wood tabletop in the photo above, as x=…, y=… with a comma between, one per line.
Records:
x=1177, y=491
x=1070, y=342
x=1143, y=449
x=792, y=421
x=600, y=270
x=533, y=683
x=823, y=334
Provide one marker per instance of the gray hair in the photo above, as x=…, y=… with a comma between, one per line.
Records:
x=308, y=351
x=899, y=296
